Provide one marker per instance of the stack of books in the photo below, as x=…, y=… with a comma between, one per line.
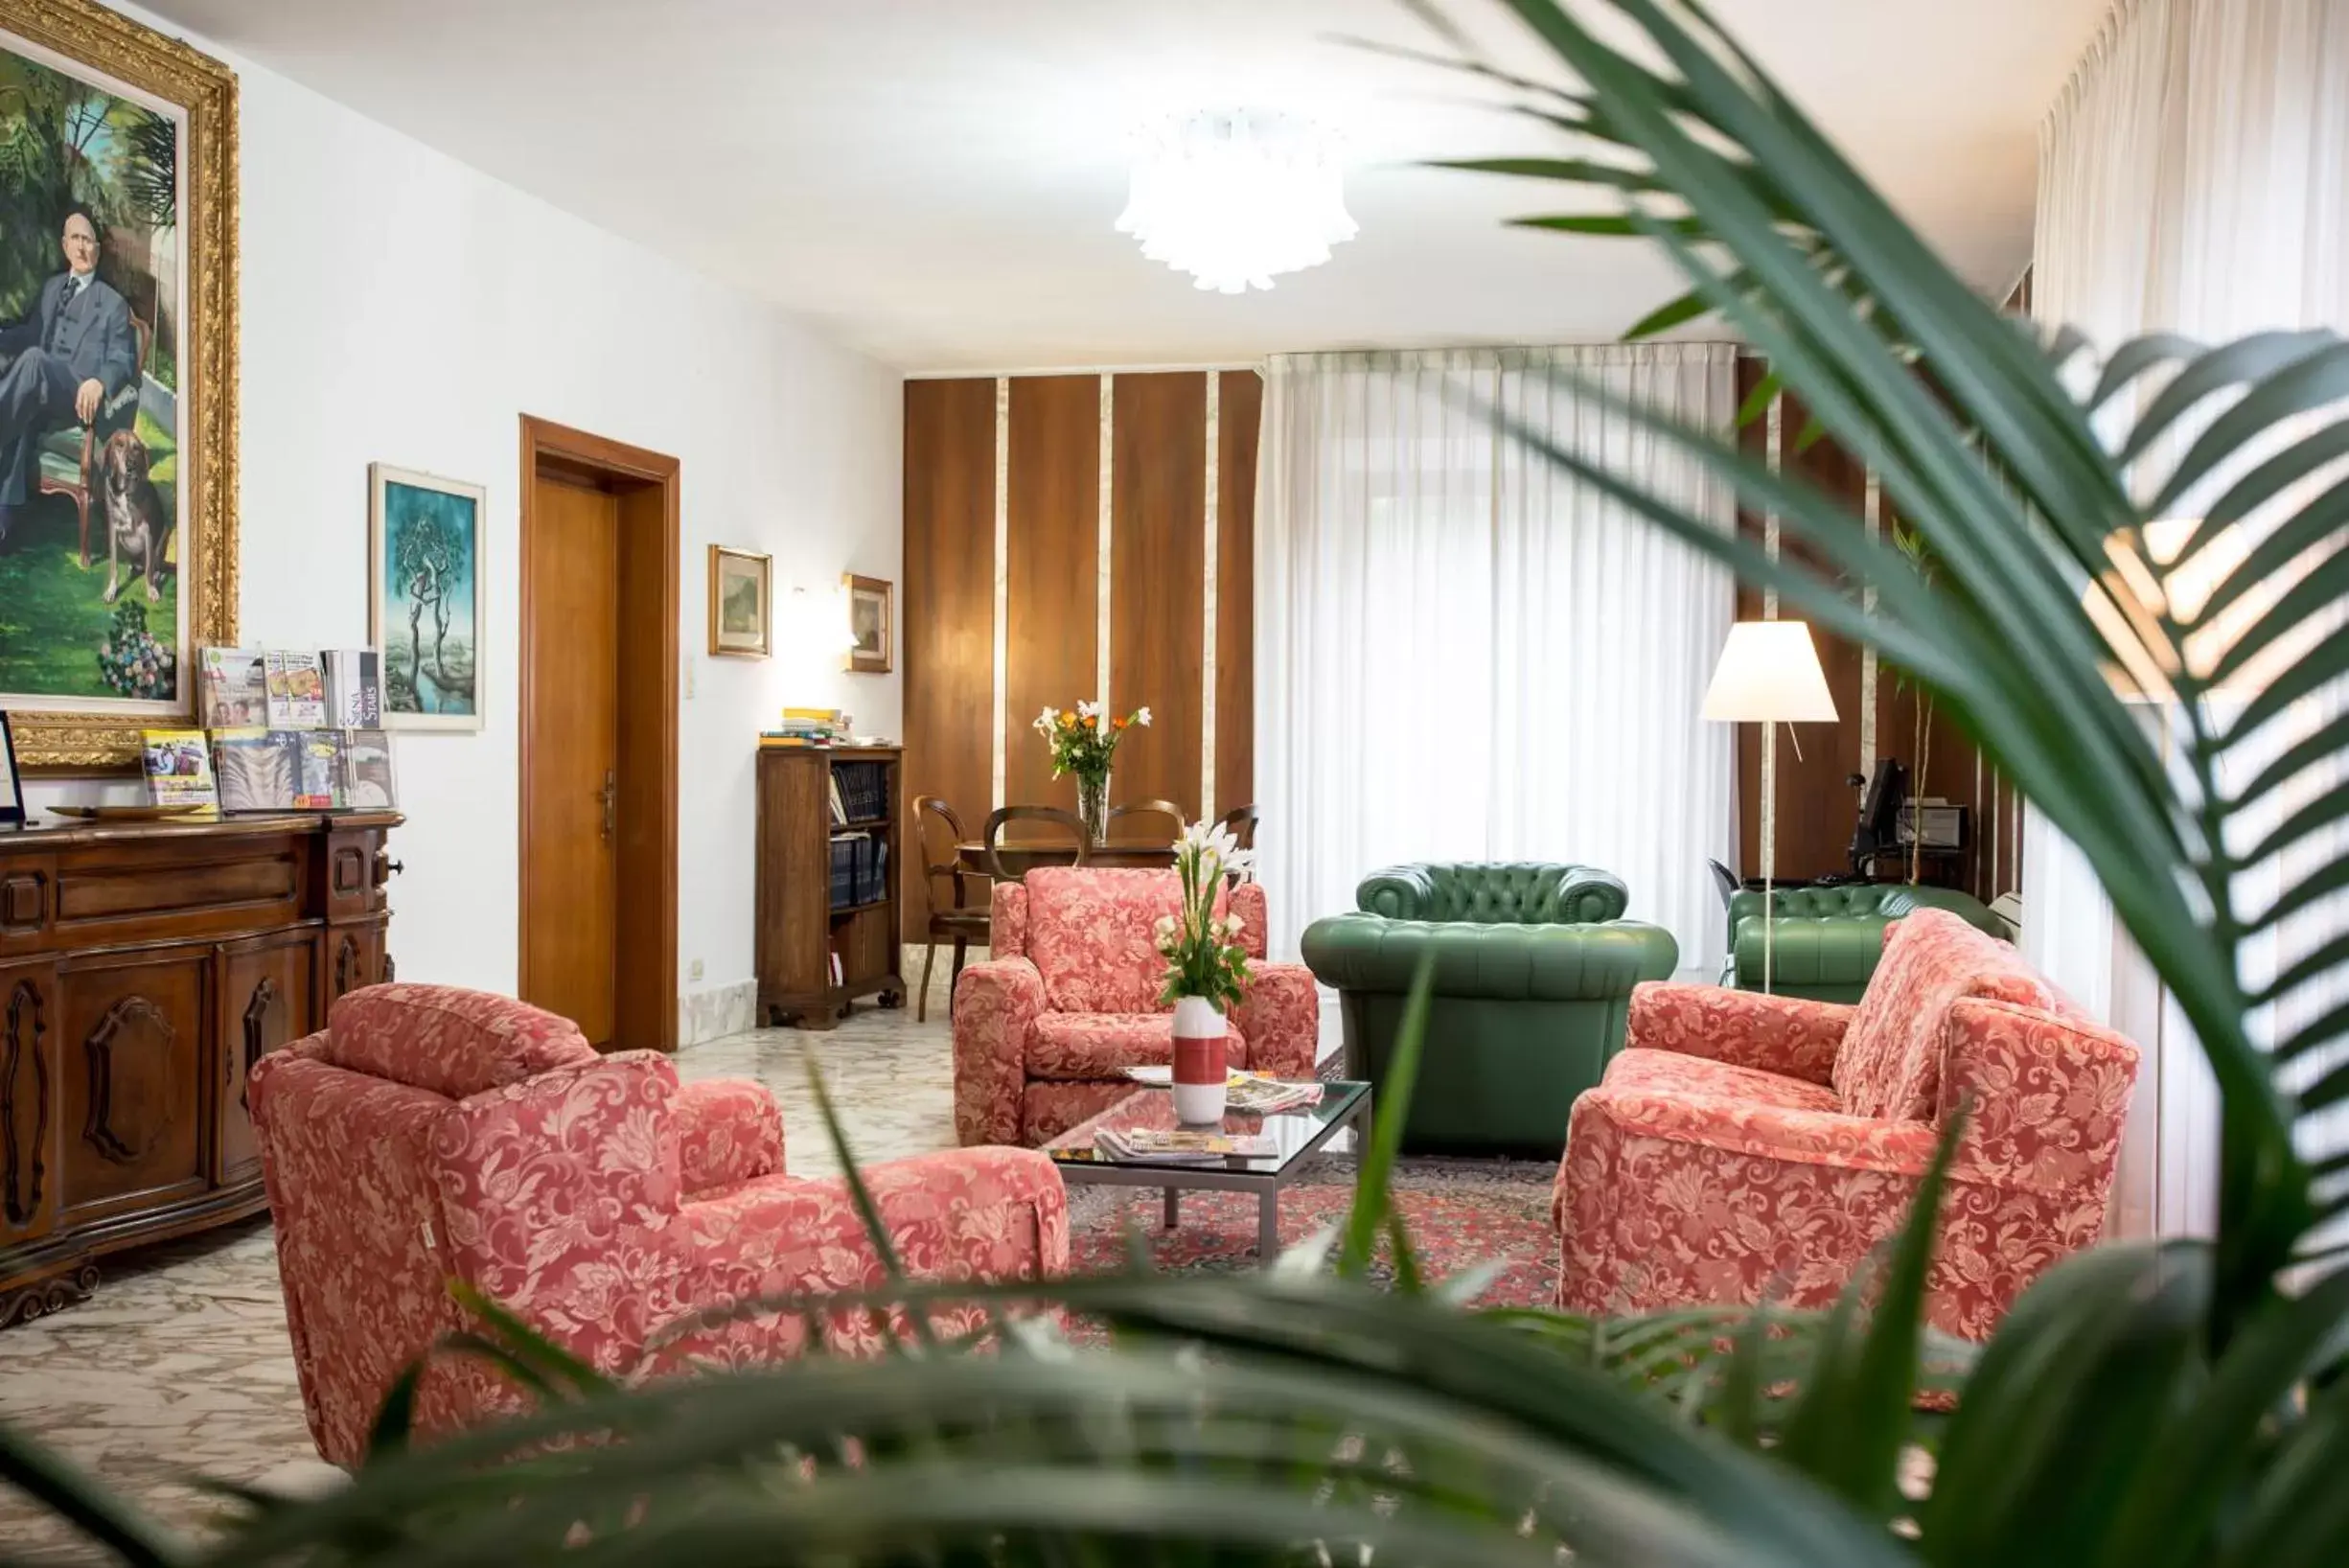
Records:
x=860, y=870
x=284, y=730
x=807, y=726
x=1181, y=1145
x=862, y=789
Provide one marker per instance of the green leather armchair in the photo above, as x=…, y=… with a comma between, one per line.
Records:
x=1826, y=941
x=1534, y=967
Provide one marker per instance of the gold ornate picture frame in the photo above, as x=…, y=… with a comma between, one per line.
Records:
x=182, y=415
x=741, y=603
x=872, y=624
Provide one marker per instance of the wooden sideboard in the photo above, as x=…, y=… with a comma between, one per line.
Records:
x=144, y=969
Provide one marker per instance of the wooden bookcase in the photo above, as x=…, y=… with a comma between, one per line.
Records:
x=803, y=927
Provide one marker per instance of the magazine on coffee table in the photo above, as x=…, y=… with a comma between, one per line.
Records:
x=1258, y=1094
x=1161, y=1145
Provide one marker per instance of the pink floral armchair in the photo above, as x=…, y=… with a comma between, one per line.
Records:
x=1068, y=1000
x=432, y=1133
x=1746, y=1145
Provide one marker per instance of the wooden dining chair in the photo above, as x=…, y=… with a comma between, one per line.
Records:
x=1242, y=821
x=996, y=820
x=1153, y=808
x=961, y=921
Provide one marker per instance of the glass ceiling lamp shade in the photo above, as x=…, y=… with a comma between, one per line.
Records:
x=1236, y=198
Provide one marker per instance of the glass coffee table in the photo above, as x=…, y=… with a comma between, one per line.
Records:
x=1296, y=1133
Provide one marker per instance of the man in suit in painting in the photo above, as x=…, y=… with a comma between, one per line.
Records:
x=65, y=357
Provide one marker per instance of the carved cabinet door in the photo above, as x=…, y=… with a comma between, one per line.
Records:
x=268, y=999
x=132, y=1048
x=353, y=956
x=28, y=1101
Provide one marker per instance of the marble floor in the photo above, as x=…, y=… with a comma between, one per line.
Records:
x=179, y=1365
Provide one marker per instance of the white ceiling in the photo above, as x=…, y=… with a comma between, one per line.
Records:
x=933, y=180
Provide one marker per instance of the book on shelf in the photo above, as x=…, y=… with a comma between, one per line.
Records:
x=839, y=811
x=232, y=687
x=297, y=689
x=1161, y=1145
x=178, y=768
x=354, y=688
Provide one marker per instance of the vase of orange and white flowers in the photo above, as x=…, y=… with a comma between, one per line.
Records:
x=1207, y=969
x=1084, y=741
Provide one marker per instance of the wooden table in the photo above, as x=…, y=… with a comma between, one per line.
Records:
x=1020, y=855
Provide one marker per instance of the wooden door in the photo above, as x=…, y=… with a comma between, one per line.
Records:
x=267, y=1000
x=572, y=739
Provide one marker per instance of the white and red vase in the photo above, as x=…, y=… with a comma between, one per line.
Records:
x=1200, y=1067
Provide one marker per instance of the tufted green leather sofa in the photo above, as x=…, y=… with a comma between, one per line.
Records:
x=1827, y=940
x=1535, y=966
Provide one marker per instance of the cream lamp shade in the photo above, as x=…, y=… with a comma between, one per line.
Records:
x=1769, y=674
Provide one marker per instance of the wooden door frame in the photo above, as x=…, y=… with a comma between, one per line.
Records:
x=646, y=484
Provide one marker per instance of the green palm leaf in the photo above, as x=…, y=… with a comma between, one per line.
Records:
x=2001, y=468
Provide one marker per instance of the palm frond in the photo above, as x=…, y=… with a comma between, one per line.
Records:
x=2044, y=542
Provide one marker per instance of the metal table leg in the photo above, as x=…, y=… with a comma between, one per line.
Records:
x=1174, y=1207
x=1268, y=1228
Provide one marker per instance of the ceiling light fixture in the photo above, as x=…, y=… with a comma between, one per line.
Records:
x=1234, y=196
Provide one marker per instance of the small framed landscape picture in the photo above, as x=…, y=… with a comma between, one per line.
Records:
x=424, y=600
x=869, y=624
x=741, y=603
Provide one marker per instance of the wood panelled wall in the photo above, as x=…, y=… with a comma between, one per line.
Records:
x=1027, y=497
x=1816, y=807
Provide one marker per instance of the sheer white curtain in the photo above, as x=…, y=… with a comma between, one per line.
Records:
x=1463, y=653
x=2194, y=178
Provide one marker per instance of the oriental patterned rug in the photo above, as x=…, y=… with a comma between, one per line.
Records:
x=1458, y=1213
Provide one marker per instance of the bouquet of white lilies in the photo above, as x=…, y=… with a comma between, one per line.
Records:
x=1203, y=958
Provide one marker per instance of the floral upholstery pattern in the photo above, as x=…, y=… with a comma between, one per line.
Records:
x=1089, y=935
x=1280, y=1015
x=1068, y=997
x=1671, y=1073
x=598, y=1199
x=1890, y=1064
x=1079, y=1045
x=1047, y=1110
x=450, y=1041
x=729, y=1131
x=1785, y=1035
x=1695, y=1173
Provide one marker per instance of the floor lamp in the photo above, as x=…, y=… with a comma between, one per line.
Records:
x=1769, y=674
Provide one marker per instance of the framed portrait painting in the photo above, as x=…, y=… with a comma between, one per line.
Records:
x=870, y=628
x=741, y=603
x=425, y=598
x=118, y=379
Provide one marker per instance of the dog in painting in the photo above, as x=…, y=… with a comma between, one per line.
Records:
x=138, y=529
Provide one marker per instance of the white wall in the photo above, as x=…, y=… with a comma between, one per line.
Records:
x=401, y=307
